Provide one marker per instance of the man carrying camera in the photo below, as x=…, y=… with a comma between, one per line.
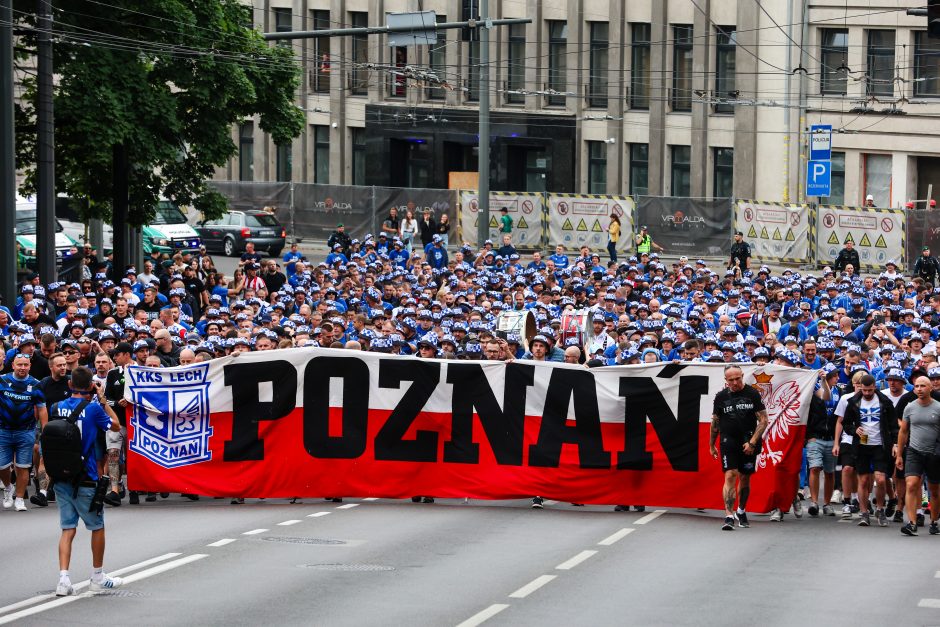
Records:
x=76, y=501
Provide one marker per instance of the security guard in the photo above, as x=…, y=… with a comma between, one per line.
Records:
x=644, y=243
x=740, y=253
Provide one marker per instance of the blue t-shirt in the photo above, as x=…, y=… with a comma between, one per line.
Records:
x=92, y=420
x=18, y=400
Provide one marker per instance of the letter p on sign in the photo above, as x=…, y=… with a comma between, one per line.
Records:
x=818, y=178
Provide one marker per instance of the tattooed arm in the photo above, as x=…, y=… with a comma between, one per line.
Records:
x=754, y=442
x=712, y=435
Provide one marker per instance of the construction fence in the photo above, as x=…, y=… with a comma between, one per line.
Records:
x=786, y=233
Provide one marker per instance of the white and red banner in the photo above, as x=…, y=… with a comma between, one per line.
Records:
x=315, y=422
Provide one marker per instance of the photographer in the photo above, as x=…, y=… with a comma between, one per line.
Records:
x=75, y=501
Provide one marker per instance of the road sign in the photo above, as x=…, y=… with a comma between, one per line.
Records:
x=820, y=142
x=818, y=178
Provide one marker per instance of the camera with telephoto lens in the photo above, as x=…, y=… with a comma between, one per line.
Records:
x=101, y=490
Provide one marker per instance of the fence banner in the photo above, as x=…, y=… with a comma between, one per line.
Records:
x=314, y=422
x=577, y=220
x=319, y=208
x=923, y=229
x=776, y=231
x=526, y=209
x=439, y=201
x=697, y=227
x=243, y=195
x=878, y=234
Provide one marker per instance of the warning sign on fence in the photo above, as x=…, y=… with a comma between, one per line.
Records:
x=878, y=234
x=577, y=220
x=525, y=209
x=776, y=231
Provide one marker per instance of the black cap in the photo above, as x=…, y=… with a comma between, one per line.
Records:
x=123, y=347
x=739, y=233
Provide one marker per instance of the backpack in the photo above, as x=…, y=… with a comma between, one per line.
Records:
x=61, y=442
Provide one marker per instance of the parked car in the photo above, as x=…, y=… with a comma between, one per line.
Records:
x=25, y=230
x=231, y=232
x=169, y=232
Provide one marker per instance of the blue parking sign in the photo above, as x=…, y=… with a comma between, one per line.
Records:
x=818, y=178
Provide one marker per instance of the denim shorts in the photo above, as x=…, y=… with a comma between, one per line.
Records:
x=71, y=508
x=16, y=447
x=819, y=455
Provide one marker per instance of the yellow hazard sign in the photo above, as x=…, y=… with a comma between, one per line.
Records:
x=864, y=241
x=789, y=236
x=880, y=242
x=597, y=228
x=763, y=233
x=752, y=232
x=777, y=237
x=493, y=223
x=567, y=225
x=522, y=223
x=848, y=238
x=832, y=238
x=582, y=226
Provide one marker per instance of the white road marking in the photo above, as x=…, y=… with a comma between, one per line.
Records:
x=531, y=587
x=348, y=506
x=84, y=584
x=287, y=523
x=483, y=616
x=931, y=603
x=318, y=514
x=845, y=520
x=143, y=574
x=936, y=575
x=614, y=537
x=254, y=532
x=549, y=502
x=222, y=542
x=649, y=517
x=574, y=561
x=371, y=498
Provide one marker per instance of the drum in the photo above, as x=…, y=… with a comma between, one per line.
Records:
x=522, y=323
x=576, y=323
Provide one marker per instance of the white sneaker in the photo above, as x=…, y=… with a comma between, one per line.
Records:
x=797, y=507
x=836, y=496
x=64, y=588
x=776, y=515
x=106, y=583
x=827, y=511
x=19, y=505
x=8, y=496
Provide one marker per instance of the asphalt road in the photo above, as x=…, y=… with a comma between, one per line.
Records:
x=387, y=562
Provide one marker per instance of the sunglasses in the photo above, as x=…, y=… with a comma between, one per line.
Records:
x=70, y=352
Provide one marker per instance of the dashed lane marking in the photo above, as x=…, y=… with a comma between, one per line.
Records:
x=287, y=523
x=649, y=517
x=318, y=514
x=481, y=617
x=531, y=587
x=931, y=603
x=371, y=498
x=254, y=532
x=574, y=561
x=348, y=506
x=222, y=542
x=614, y=537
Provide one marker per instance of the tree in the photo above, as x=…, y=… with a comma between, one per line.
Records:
x=147, y=93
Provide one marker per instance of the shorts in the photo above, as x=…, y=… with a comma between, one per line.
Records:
x=819, y=455
x=734, y=458
x=71, y=508
x=847, y=455
x=16, y=447
x=115, y=439
x=869, y=458
x=917, y=464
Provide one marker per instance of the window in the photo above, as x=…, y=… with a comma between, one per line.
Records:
x=835, y=48
x=597, y=168
x=397, y=83
x=724, y=173
x=681, y=171
x=284, y=162
x=878, y=178
x=557, y=60
x=360, y=54
x=639, y=169
x=926, y=65
x=437, y=61
x=597, y=86
x=640, y=67
x=283, y=24
x=517, y=58
x=358, y=156
x=837, y=193
x=321, y=53
x=725, y=44
x=682, y=68
x=246, y=152
x=473, y=70
x=881, y=62
x=321, y=154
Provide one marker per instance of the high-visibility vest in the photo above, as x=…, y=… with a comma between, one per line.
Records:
x=645, y=245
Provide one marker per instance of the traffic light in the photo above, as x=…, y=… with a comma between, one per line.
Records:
x=470, y=10
x=933, y=19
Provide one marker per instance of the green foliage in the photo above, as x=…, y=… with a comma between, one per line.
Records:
x=168, y=80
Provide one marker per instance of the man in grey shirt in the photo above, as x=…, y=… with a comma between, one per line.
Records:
x=918, y=454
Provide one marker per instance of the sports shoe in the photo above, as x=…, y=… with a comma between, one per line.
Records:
x=846, y=511
x=813, y=509
x=882, y=518
x=164, y=495
x=729, y=524
x=639, y=508
x=828, y=511
x=776, y=515
x=151, y=497
x=537, y=502
x=39, y=500
x=622, y=508
x=238, y=501
x=836, y=496
x=865, y=520
x=898, y=516
x=19, y=505
x=855, y=507
x=113, y=499
x=920, y=520
x=64, y=589
x=742, y=520
x=910, y=529
x=8, y=496
x=891, y=508
x=934, y=528
x=427, y=499
x=797, y=507
x=106, y=583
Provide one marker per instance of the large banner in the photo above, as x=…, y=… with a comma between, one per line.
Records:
x=526, y=210
x=696, y=227
x=878, y=235
x=319, y=208
x=439, y=201
x=775, y=231
x=577, y=220
x=923, y=229
x=314, y=422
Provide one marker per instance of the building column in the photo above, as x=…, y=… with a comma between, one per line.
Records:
x=536, y=46
x=573, y=82
x=340, y=48
x=301, y=49
x=745, y=118
x=615, y=97
x=659, y=48
x=701, y=82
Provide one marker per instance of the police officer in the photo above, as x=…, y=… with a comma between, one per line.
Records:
x=927, y=266
x=644, y=243
x=740, y=253
x=848, y=256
